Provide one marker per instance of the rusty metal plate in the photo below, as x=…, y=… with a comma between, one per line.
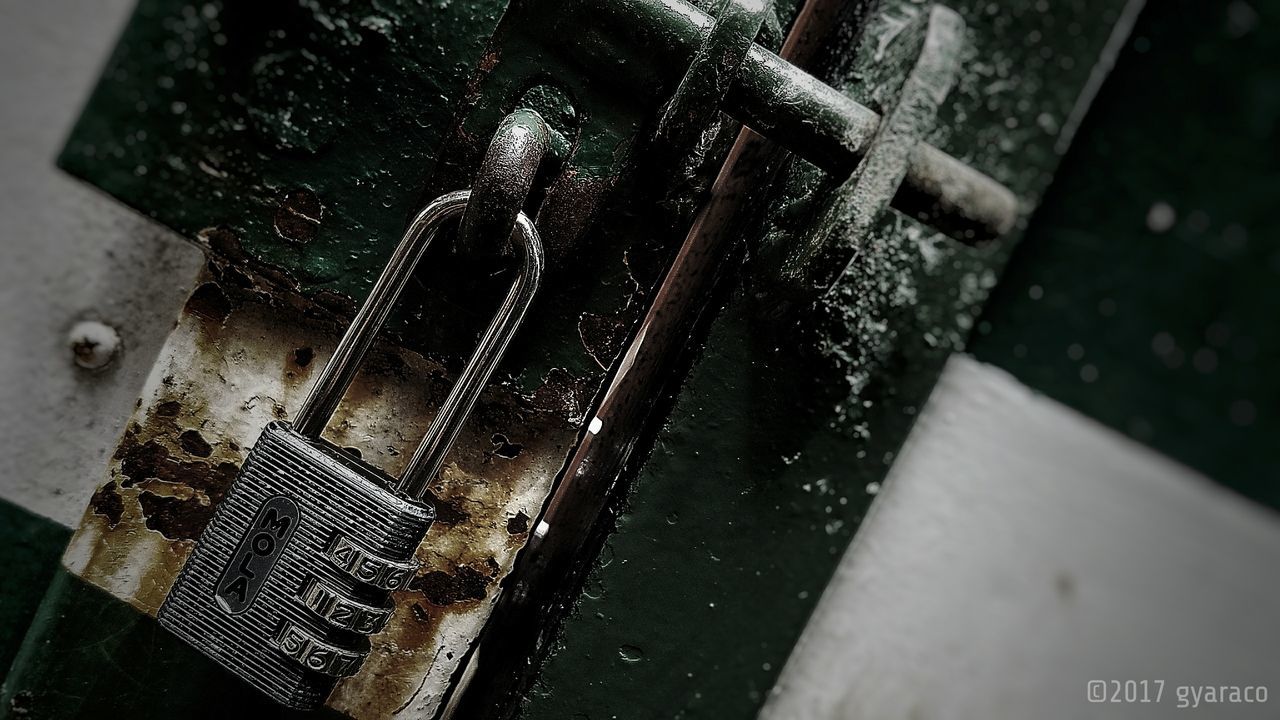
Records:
x=240, y=358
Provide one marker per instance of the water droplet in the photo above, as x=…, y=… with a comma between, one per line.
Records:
x=298, y=101
x=1205, y=360
x=630, y=653
x=1163, y=344
x=1243, y=413
x=1161, y=217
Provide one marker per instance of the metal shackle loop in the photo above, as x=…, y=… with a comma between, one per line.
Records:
x=341, y=369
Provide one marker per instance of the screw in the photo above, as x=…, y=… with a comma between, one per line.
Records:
x=93, y=344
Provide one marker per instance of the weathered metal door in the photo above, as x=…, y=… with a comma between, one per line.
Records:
x=736, y=329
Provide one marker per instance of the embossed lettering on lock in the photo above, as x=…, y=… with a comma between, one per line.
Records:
x=296, y=569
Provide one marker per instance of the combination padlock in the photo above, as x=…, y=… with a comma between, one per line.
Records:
x=296, y=569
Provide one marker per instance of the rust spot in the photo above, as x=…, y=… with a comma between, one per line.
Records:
x=108, y=503
x=336, y=303
x=127, y=440
x=504, y=448
x=448, y=512
x=518, y=524
x=152, y=461
x=143, y=462
x=380, y=361
x=563, y=394
x=168, y=409
x=421, y=614
x=209, y=302
x=441, y=588
x=298, y=217
x=175, y=518
x=225, y=244
x=237, y=277
x=194, y=443
x=303, y=356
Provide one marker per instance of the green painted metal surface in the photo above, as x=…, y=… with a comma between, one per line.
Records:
x=1145, y=294
x=790, y=418
x=29, y=548
x=308, y=129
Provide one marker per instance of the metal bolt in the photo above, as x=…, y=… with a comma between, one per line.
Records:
x=94, y=345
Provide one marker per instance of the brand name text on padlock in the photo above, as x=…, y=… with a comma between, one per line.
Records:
x=257, y=553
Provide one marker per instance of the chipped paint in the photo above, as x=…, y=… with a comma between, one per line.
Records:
x=239, y=358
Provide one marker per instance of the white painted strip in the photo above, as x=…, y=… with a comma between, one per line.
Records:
x=1019, y=551
x=71, y=254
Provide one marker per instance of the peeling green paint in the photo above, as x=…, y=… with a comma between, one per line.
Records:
x=210, y=114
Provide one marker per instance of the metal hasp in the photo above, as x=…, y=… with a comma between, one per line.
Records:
x=713, y=70
x=914, y=68
x=911, y=68
x=804, y=115
x=731, y=521
x=327, y=392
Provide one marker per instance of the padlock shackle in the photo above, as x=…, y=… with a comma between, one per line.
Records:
x=336, y=377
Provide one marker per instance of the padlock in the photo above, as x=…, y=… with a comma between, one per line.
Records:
x=296, y=569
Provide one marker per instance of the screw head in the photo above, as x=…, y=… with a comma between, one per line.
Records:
x=94, y=345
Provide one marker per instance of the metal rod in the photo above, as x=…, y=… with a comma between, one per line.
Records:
x=812, y=119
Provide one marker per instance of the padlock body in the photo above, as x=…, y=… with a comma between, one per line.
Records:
x=296, y=568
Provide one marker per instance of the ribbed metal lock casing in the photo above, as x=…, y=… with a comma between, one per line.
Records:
x=296, y=568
